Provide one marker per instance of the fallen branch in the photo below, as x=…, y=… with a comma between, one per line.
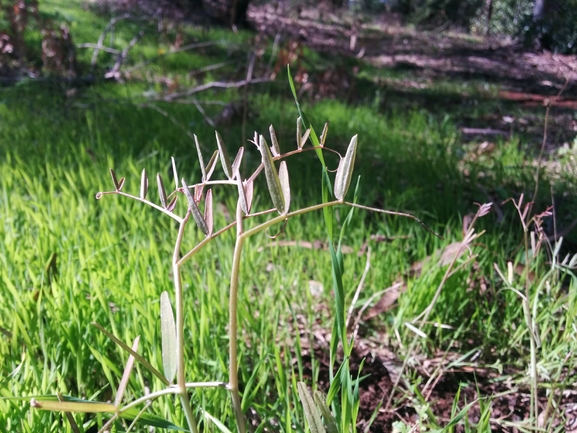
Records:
x=214, y=85
x=115, y=72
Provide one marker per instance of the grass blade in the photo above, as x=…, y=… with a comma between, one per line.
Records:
x=138, y=357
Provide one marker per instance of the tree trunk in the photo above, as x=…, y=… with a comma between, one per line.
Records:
x=227, y=12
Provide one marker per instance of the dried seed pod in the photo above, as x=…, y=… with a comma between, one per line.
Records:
x=285, y=185
x=200, y=159
x=237, y=161
x=143, y=184
x=114, y=179
x=224, y=159
x=211, y=165
x=161, y=190
x=345, y=170
x=193, y=208
x=324, y=134
x=299, y=132
x=305, y=138
x=275, y=146
x=241, y=194
x=272, y=179
x=208, y=212
x=174, y=173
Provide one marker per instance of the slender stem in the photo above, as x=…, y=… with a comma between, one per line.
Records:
x=180, y=377
x=142, y=200
x=147, y=397
x=233, y=325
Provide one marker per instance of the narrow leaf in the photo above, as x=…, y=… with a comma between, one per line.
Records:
x=305, y=138
x=285, y=185
x=299, y=132
x=345, y=170
x=275, y=146
x=161, y=190
x=330, y=422
x=90, y=406
x=324, y=134
x=237, y=161
x=143, y=184
x=168, y=333
x=208, y=215
x=211, y=166
x=311, y=412
x=138, y=357
x=72, y=406
x=174, y=173
x=272, y=179
x=121, y=183
x=224, y=159
x=114, y=179
x=193, y=208
x=200, y=159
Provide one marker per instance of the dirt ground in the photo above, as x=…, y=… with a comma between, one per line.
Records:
x=523, y=78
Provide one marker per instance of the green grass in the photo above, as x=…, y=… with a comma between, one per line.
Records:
x=113, y=256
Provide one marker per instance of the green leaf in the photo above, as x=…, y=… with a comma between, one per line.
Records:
x=224, y=158
x=193, y=208
x=311, y=412
x=345, y=170
x=73, y=404
x=168, y=333
x=272, y=179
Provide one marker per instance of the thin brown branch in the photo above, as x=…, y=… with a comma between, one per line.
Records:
x=107, y=29
x=214, y=85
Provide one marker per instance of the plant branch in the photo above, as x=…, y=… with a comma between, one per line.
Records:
x=180, y=377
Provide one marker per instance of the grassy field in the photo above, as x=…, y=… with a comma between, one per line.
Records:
x=67, y=260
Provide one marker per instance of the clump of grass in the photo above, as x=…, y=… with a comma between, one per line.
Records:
x=173, y=325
